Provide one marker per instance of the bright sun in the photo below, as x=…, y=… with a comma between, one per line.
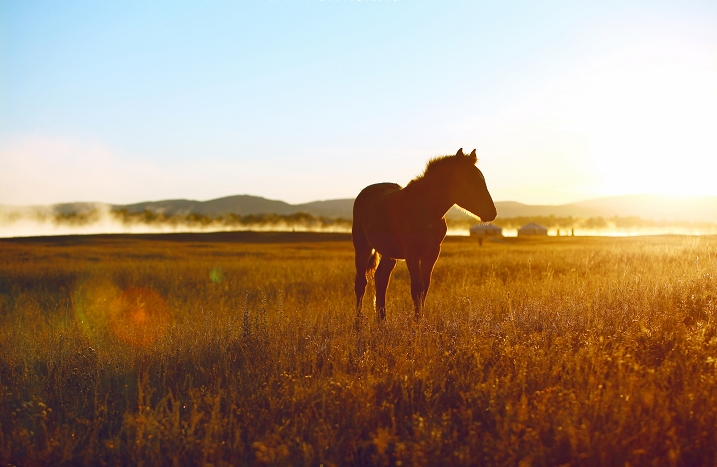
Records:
x=654, y=126
x=649, y=114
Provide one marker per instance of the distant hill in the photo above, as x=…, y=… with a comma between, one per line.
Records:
x=702, y=208
x=654, y=207
x=239, y=204
x=244, y=205
x=645, y=206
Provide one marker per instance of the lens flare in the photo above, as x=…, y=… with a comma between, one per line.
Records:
x=92, y=300
x=139, y=316
x=216, y=275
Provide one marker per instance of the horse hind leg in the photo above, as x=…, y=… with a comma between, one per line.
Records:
x=363, y=273
x=383, y=276
x=366, y=260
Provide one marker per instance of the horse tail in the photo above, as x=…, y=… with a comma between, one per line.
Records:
x=373, y=263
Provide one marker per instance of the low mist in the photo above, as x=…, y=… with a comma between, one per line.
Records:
x=98, y=218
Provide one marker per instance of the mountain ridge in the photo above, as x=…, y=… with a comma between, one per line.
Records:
x=656, y=207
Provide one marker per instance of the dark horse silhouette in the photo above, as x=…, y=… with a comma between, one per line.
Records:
x=392, y=223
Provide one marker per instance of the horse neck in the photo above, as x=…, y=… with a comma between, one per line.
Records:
x=431, y=192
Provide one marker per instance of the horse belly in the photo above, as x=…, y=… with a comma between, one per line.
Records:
x=386, y=244
x=381, y=234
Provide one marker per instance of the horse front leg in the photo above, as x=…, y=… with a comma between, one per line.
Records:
x=426, y=265
x=418, y=289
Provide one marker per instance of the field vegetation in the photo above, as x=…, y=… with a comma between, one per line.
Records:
x=232, y=349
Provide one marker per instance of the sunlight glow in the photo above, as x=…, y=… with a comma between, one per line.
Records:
x=652, y=125
x=648, y=114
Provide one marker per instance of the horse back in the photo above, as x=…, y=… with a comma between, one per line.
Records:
x=373, y=196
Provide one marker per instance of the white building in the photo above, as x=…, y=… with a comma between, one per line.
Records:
x=532, y=229
x=486, y=230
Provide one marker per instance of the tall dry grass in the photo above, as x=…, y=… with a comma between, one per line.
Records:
x=577, y=351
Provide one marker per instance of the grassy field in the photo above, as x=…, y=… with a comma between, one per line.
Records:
x=241, y=349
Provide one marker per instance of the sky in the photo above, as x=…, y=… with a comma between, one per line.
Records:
x=303, y=100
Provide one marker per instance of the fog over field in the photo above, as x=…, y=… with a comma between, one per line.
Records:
x=624, y=215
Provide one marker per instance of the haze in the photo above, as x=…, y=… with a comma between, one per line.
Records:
x=306, y=100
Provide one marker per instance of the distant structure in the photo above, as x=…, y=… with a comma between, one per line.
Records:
x=486, y=230
x=532, y=229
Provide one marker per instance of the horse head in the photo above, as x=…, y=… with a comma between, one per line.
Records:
x=468, y=187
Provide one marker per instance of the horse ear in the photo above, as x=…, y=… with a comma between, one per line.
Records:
x=473, y=156
x=460, y=152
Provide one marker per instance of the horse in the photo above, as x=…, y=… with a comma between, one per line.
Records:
x=392, y=223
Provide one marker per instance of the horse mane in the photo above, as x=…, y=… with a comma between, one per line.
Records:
x=439, y=164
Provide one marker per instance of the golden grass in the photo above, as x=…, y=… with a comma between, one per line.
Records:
x=578, y=351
